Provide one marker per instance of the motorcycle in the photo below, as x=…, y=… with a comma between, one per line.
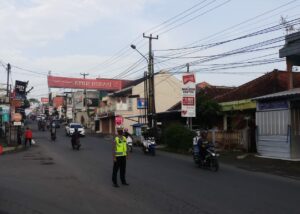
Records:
x=129, y=143
x=149, y=146
x=75, y=142
x=53, y=136
x=210, y=159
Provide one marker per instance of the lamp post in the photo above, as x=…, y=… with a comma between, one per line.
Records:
x=134, y=48
x=146, y=89
x=152, y=122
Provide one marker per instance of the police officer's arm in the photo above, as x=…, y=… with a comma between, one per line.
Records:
x=114, y=150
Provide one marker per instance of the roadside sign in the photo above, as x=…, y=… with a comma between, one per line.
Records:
x=119, y=120
x=17, y=123
x=17, y=117
x=188, y=102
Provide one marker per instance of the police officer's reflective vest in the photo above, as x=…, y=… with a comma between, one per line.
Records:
x=121, y=146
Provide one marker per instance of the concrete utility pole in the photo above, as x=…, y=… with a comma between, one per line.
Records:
x=8, y=72
x=84, y=93
x=189, y=120
x=152, y=121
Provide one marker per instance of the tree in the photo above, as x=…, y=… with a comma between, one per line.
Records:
x=178, y=137
x=207, y=111
x=33, y=100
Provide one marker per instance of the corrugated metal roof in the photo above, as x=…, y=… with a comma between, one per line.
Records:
x=283, y=94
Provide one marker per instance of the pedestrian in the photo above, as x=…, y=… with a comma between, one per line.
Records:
x=28, y=136
x=119, y=158
x=19, y=135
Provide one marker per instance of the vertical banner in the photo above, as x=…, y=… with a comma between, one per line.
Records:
x=20, y=90
x=188, y=102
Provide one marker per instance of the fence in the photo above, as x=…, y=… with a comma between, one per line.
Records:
x=228, y=140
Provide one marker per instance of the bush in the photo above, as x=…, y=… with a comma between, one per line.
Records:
x=177, y=137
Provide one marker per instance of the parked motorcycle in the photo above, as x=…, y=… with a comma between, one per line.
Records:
x=207, y=158
x=149, y=146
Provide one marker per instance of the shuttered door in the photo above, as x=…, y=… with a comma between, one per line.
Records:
x=273, y=134
x=295, y=121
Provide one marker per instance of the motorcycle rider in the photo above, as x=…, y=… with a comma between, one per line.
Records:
x=203, y=143
x=75, y=139
x=53, y=131
x=196, y=138
x=129, y=138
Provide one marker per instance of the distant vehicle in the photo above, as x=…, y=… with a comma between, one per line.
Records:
x=41, y=117
x=70, y=129
x=57, y=123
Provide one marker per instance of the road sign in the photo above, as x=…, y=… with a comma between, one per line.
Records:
x=17, y=123
x=188, y=102
x=17, y=117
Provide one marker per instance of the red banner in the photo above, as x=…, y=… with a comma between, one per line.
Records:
x=44, y=100
x=188, y=77
x=78, y=83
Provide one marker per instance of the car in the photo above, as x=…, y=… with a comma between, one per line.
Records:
x=70, y=129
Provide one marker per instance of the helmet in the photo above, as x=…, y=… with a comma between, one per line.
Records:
x=119, y=129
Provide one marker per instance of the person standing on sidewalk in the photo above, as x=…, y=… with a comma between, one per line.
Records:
x=119, y=157
x=28, y=136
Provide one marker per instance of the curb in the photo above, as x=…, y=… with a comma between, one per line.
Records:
x=8, y=150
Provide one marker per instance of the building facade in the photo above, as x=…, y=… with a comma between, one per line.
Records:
x=128, y=103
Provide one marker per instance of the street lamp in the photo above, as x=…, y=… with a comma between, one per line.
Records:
x=134, y=48
x=146, y=89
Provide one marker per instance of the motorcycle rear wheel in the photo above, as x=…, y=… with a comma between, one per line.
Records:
x=214, y=165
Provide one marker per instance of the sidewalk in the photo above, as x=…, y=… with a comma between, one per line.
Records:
x=251, y=162
x=9, y=148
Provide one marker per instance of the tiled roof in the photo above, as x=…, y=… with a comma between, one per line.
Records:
x=295, y=92
x=269, y=83
x=210, y=91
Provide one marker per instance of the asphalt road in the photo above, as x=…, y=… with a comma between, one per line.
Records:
x=52, y=178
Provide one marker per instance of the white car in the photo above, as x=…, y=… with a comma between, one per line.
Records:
x=70, y=129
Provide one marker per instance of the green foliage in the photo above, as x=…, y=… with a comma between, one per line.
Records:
x=178, y=137
x=33, y=100
x=207, y=111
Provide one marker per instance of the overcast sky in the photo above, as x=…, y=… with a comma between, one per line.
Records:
x=69, y=37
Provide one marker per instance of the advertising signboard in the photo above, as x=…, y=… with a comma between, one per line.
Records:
x=188, y=102
x=141, y=103
x=44, y=100
x=69, y=113
x=20, y=90
x=78, y=99
x=79, y=83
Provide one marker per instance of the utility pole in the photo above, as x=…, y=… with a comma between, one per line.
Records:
x=146, y=96
x=189, y=119
x=8, y=90
x=152, y=121
x=84, y=93
x=8, y=72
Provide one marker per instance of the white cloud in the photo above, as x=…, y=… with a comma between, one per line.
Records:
x=42, y=21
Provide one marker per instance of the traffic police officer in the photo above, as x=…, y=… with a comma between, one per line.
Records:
x=119, y=157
